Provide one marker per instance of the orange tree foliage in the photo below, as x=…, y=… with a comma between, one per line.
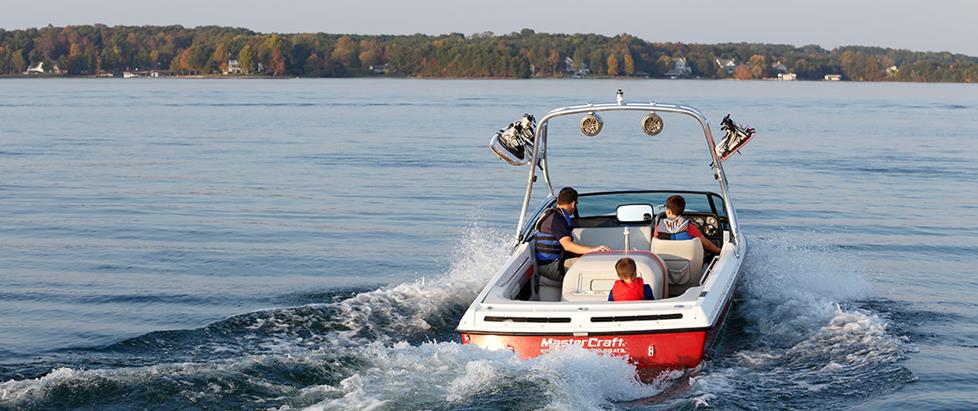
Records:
x=613, y=69
x=743, y=72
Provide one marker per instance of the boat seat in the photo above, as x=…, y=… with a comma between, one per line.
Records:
x=544, y=288
x=684, y=260
x=614, y=238
x=593, y=275
x=548, y=290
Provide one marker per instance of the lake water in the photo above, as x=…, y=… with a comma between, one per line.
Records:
x=267, y=244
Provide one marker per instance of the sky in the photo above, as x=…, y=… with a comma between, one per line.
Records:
x=933, y=25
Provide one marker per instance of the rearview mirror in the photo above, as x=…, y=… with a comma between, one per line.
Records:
x=635, y=213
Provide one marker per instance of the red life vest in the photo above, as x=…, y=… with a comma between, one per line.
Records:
x=629, y=292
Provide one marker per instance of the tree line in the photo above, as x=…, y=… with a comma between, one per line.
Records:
x=95, y=49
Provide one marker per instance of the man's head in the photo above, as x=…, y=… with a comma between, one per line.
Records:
x=567, y=199
x=626, y=269
x=675, y=206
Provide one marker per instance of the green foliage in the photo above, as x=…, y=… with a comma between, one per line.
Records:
x=88, y=50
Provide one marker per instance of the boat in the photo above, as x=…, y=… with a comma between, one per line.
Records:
x=533, y=315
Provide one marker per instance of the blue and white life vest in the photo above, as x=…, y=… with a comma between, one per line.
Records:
x=548, y=248
x=675, y=229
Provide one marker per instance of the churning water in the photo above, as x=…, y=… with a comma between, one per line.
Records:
x=312, y=243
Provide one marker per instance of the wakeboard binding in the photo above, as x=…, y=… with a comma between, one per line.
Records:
x=514, y=144
x=734, y=138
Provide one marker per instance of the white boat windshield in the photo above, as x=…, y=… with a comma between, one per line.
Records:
x=599, y=209
x=606, y=204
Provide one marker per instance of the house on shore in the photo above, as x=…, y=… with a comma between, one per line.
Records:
x=137, y=73
x=577, y=70
x=680, y=69
x=583, y=72
x=233, y=67
x=787, y=76
x=35, y=69
x=730, y=65
x=833, y=77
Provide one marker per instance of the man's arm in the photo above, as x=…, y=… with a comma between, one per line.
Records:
x=570, y=246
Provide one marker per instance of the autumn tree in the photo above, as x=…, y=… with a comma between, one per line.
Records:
x=276, y=62
x=17, y=63
x=598, y=61
x=313, y=66
x=554, y=60
x=857, y=65
x=629, y=63
x=200, y=56
x=112, y=57
x=613, y=69
x=180, y=63
x=758, y=66
x=219, y=58
x=273, y=55
x=246, y=59
x=76, y=63
x=345, y=53
x=743, y=72
x=370, y=53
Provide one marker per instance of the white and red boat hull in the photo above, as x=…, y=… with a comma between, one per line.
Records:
x=655, y=349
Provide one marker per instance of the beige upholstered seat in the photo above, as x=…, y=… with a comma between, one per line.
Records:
x=592, y=276
x=614, y=237
x=684, y=259
x=550, y=290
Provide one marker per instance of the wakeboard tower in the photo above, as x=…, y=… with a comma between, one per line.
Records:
x=519, y=310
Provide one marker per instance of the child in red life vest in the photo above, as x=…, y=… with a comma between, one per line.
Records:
x=629, y=286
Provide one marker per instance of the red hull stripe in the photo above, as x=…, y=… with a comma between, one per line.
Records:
x=660, y=350
x=664, y=349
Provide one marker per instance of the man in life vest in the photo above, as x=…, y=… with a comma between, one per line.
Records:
x=554, y=241
x=677, y=227
x=629, y=286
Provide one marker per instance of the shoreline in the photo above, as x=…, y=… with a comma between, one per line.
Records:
x=214, y=51
x=282, y=78
x=602, y=78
